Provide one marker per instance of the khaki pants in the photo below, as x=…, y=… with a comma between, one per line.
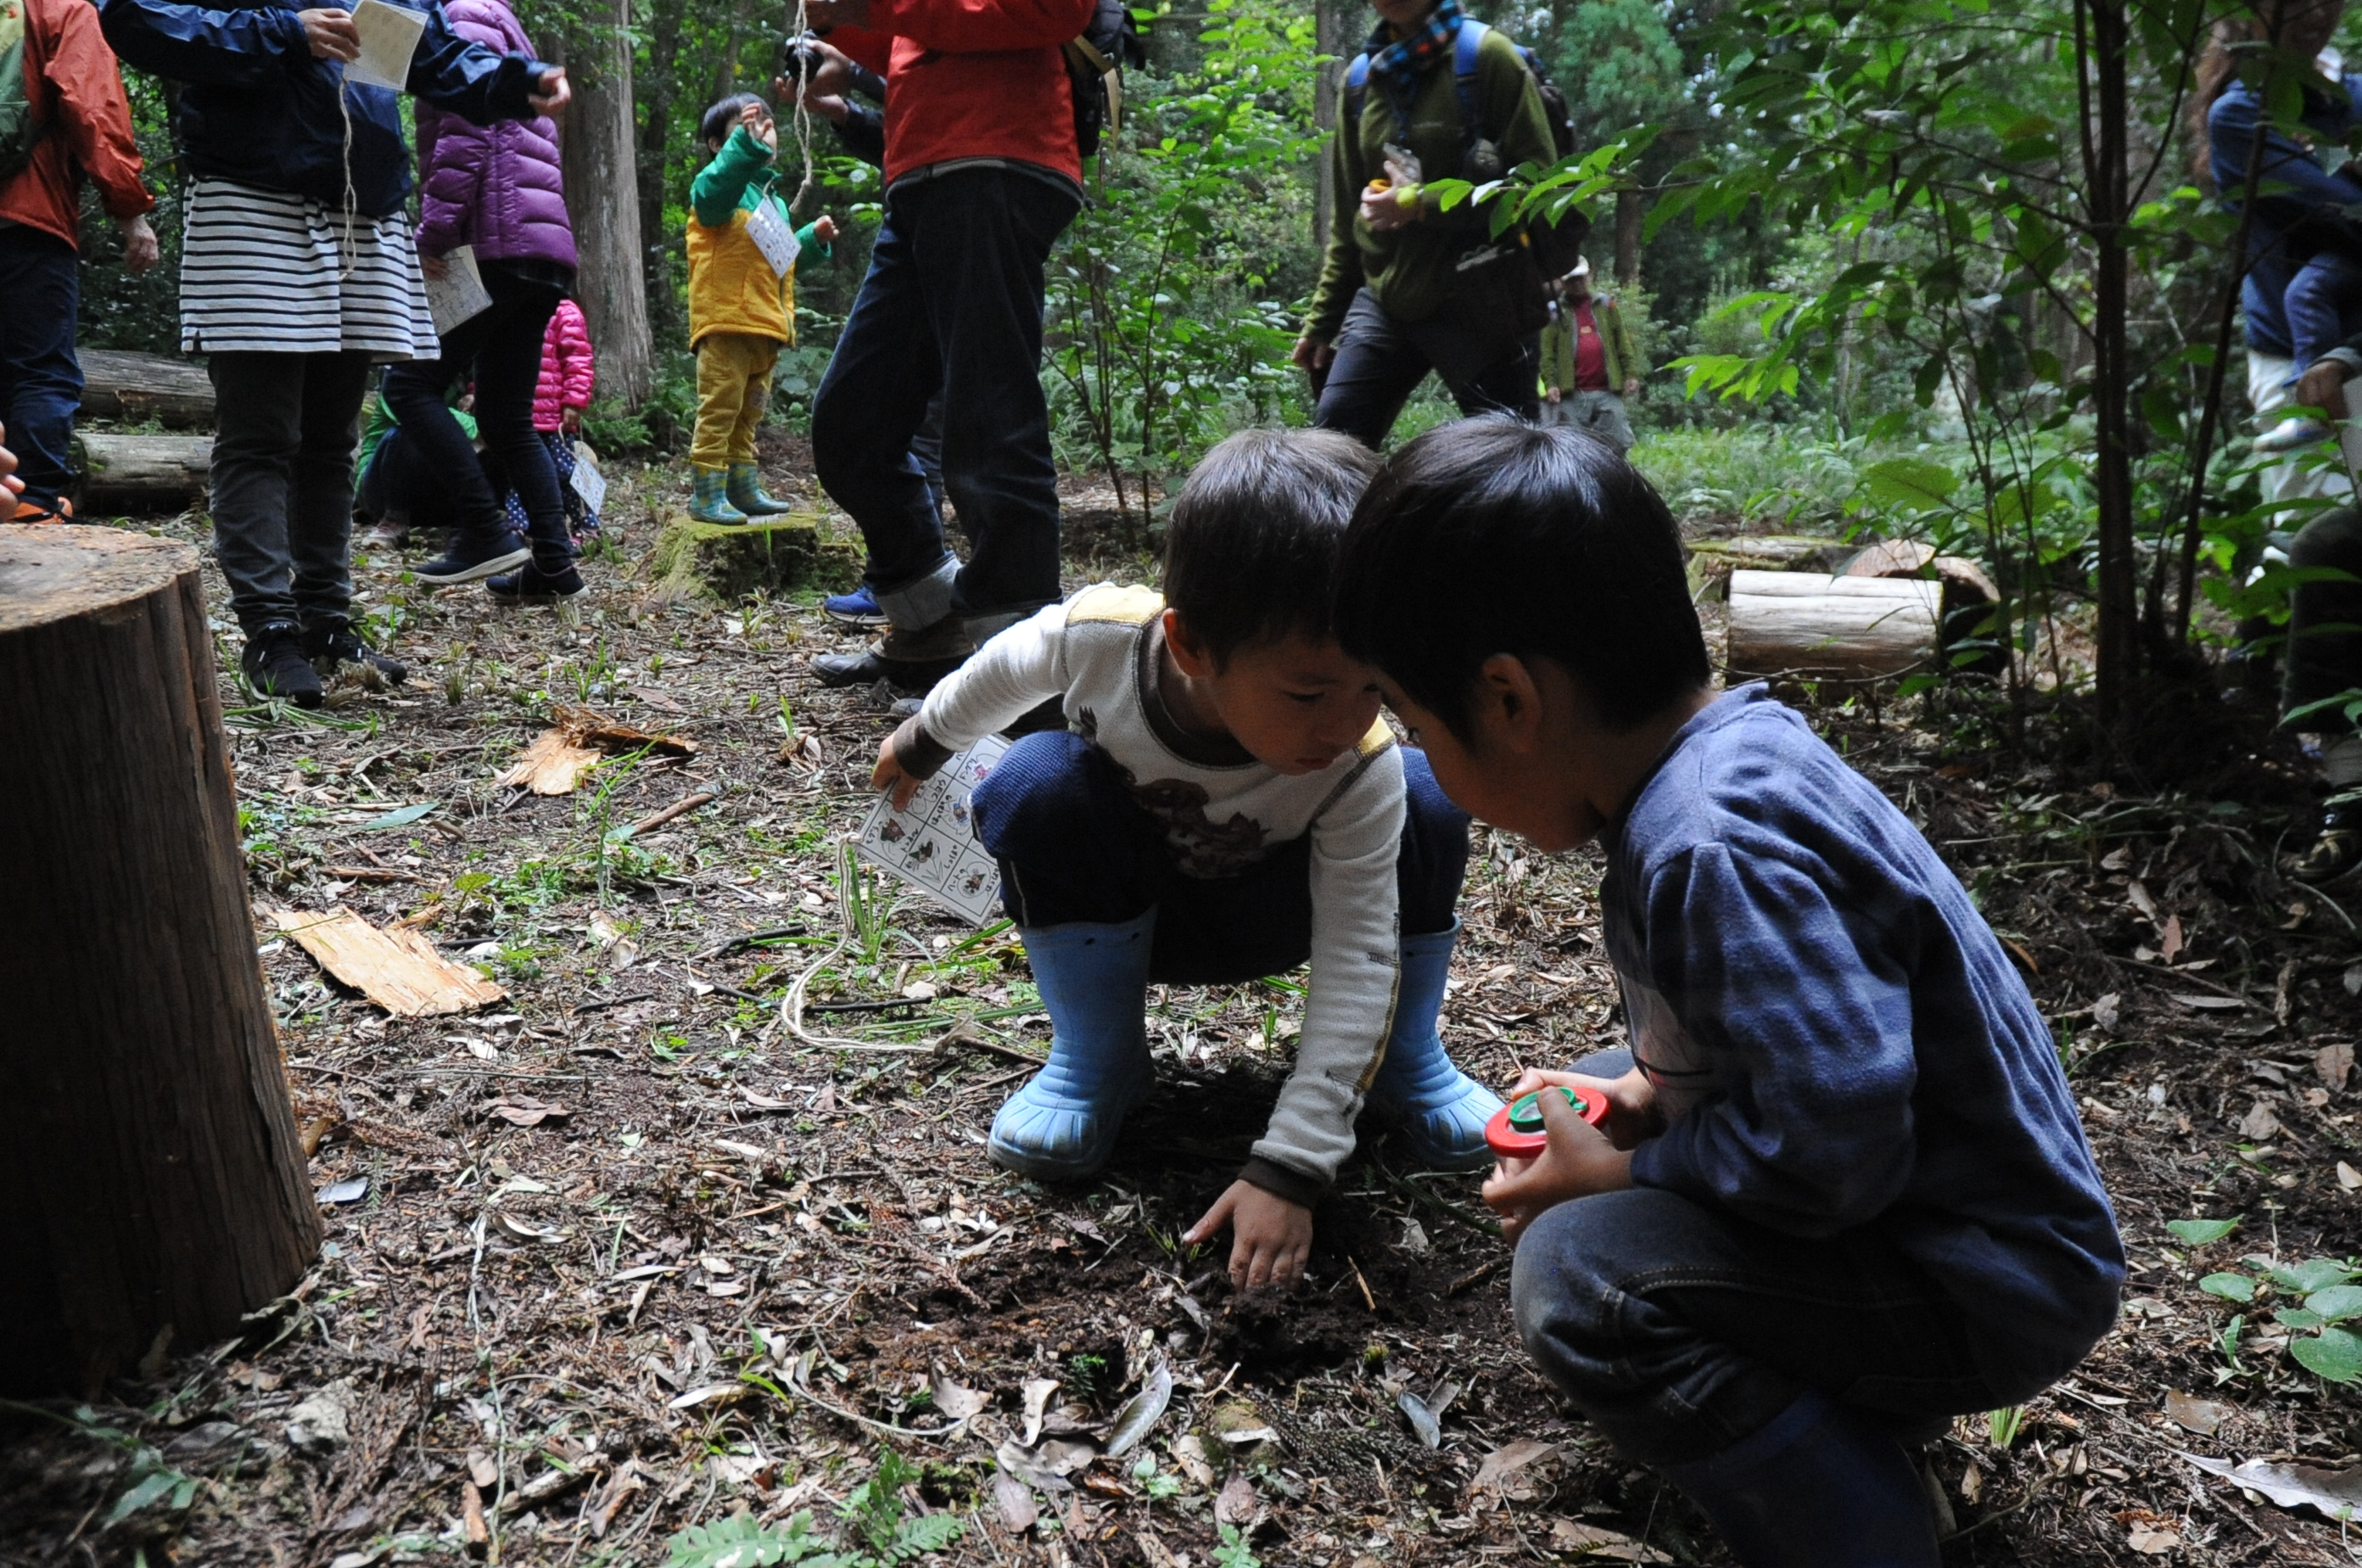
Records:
x=733, y=388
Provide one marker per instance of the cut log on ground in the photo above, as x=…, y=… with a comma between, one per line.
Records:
x=1711, y=561
x=1967, y=592
x=731, y=562
x=152, y=1190
x=142, y=472
x=136, y=387
x=1830, y=628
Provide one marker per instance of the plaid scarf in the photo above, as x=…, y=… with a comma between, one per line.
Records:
x=1398, y=65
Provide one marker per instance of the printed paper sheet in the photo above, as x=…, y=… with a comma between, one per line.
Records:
x=933, y=845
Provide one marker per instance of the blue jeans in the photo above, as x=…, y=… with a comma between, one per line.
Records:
x=2323, y=305
x=40, y=380
x=1679, y=1328
x=1380, y=362
x=502, y=347
x=1075, y=846
x=951, y=306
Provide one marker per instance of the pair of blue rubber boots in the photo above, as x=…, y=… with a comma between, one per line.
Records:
x=1094, y=983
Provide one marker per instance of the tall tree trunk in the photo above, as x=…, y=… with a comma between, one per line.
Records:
x=602, y=195
x=152, y=1190
x=656, y=142
x=1628, y=239
x=2102, y=45
x=726, y=70
x=1329, y=36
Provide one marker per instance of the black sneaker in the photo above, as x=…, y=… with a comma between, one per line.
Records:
x=474, y=560
x=331, y=643
x=2335, y=852
x=531, y=585
x=275, y=666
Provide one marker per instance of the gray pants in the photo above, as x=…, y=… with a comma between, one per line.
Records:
x=1595, y=413
x=282, y=483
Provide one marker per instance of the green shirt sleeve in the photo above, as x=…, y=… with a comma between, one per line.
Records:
x=719, y=188
x=1558, y=352
x=1340, y=266
x=1619, y=345
x=808, y=239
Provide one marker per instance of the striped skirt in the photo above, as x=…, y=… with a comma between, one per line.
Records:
x=268, y=271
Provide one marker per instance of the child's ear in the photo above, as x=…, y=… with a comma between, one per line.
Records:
x=1191, y=654
x=1508, y=704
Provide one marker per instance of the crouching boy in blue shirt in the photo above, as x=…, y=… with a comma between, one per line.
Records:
x=1841, y=1194
x=1225, y=803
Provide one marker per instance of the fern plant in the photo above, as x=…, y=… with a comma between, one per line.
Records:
x=887, y=1537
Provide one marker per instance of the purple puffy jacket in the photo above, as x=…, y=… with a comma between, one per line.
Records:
x=495, y=187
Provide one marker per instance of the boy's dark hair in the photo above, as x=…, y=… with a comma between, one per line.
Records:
x=1488, y=536
x=723, y=119
x=1251, y=551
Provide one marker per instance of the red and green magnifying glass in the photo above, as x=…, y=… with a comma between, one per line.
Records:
x=1517, y=1133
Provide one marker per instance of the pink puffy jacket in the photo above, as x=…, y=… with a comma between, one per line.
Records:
x=565, y=367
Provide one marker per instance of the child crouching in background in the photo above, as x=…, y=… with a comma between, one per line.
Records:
x=742, y=301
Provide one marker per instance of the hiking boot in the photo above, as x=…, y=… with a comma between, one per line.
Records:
x=2335, y=852
x=710, y=497
x=531, y=585
x=858, y=608
x=746, y=494
x=330, y=643
x=276, y=665
x=474, y=559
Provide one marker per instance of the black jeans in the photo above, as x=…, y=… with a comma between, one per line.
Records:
x=41, y=380
x=951, y=306
x=1074, y=844
x=1680, y=1330
x=2325, y=647
x=1380, y=362
x=286, y=426
x=502, y=346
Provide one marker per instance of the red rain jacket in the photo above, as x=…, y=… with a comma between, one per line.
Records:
x=974, y=79
x=77, y=93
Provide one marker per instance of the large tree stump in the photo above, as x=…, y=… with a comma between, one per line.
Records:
x=117, y=384
x=736, y=561
x=1842, y=628
x=150, y=1180
x=143, y=472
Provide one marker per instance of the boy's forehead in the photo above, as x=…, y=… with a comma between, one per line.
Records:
x=1301, y=658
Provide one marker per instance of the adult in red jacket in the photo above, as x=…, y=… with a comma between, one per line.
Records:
x=982, y=175
x=76, y=95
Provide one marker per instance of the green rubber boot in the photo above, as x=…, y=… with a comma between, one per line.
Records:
x=710, y=503
x=746, y=492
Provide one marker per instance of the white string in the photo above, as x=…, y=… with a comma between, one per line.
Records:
x=350, y=251
x=802, y=110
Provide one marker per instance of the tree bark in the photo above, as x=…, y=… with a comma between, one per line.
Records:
x=2103, y=47
x=656, y=143
x=1845, y=628
x=143, y=471
x=150, y=1180
x=118, y=384
x=602, y=196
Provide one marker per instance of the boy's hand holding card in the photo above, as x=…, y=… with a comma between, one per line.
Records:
x=1581, y=1159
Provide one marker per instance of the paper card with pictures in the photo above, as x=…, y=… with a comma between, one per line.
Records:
x=388, y=36
x=459, y=293
x=932, y=844
x=588, y=481
x=768, y=227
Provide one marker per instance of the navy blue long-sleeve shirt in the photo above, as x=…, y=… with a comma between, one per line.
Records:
x=262, y=110
x=2293, y=184
x=1839, y=1040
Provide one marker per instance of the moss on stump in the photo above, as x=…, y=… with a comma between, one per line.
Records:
x=736, y=561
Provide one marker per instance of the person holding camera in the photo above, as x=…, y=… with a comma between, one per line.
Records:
x=983, y=172
x=1408, y=287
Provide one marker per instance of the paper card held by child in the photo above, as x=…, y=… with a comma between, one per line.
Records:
x=933, y=845
x=773, y=235
x=459, y=294
x=388, y=37
x=589, y=482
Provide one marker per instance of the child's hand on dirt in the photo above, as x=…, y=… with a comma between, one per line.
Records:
x=1269, y=1237
x=890, y=774
x=825, y=229
x=1578, y=1162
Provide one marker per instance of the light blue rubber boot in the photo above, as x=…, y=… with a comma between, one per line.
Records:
x=1442, y=1109
x=1094, y=983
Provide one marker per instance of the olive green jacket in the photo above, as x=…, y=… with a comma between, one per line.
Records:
x=1409, y=268
x=1614, y=337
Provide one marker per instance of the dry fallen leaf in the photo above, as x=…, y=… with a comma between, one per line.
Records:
x=524, y=1110
x=1506, y=1461
x=1189, y=1453
x=1590, y=1541
x=2203, y=1417
x=2348, y=1177
x=2259, y=1123
x=1037, y=1401
x=764, y=1102
x=1015, y=1501
x=2336, y=1492
x=2333, y=1063
x=2153, y=1543
x=2108, y=1011
x=1236, y=1504
x=956, y=1401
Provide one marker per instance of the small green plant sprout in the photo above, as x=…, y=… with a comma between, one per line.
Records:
x=884, y=1535
x=2323, y=1294
x=1233, y=1552
x=2002, y=1425
x=2229, y=1345
x=741, y=1541
x=1154, y=1483
x=874, y=1510
x=2200, y=1232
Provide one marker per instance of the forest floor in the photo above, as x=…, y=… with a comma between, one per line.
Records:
x=629, y=1259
